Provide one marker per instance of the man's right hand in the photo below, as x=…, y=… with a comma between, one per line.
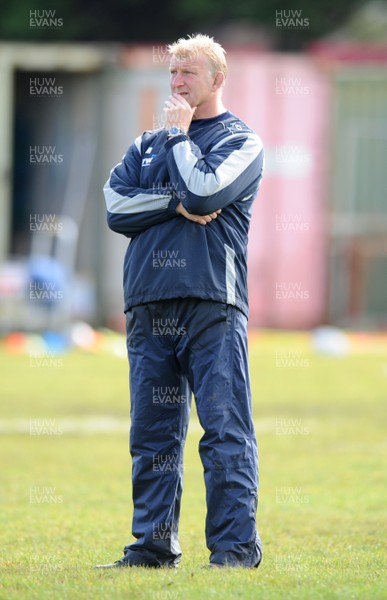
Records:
x=201, y=219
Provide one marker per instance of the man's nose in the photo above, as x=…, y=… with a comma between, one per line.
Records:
x=177, y=80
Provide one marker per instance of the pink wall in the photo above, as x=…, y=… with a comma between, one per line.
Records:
x=285, y=98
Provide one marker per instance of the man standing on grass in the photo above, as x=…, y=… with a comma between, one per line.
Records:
x=184, y=195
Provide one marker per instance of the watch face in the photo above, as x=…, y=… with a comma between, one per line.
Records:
x=174, y=131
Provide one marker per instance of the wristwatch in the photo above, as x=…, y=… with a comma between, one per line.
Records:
x=174, y=131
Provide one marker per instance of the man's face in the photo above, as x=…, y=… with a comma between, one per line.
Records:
x=191, y=79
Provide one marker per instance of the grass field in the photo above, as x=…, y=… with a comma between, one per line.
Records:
x=66, y=492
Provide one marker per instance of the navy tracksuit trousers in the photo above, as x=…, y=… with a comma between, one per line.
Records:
x=175, y=347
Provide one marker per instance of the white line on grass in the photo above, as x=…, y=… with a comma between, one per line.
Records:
x=92, y=425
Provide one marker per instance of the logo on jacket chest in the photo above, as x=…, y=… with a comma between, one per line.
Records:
x=149, y=156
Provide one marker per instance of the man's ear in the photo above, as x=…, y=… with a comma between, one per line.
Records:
x=218, y=81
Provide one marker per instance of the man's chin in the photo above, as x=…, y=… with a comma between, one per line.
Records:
x=191, y=102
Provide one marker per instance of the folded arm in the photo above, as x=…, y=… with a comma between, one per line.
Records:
x=132, y=209
x=231, y=171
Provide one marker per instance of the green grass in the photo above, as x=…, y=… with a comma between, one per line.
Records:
x=321, y=426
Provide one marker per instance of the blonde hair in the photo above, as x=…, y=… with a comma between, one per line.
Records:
x=200, y=44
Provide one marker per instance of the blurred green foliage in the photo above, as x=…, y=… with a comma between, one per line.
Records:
x=163, y=21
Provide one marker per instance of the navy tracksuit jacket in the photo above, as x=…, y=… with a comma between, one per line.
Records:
x=185, y=288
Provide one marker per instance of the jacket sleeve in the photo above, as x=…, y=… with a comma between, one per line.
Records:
x=229, y=172
x=131, y=209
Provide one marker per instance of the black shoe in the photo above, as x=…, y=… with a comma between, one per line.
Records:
x=122, y=562
x=227, y=565
x=125, y=561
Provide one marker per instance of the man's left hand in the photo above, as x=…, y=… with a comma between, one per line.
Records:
x=178, y=113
